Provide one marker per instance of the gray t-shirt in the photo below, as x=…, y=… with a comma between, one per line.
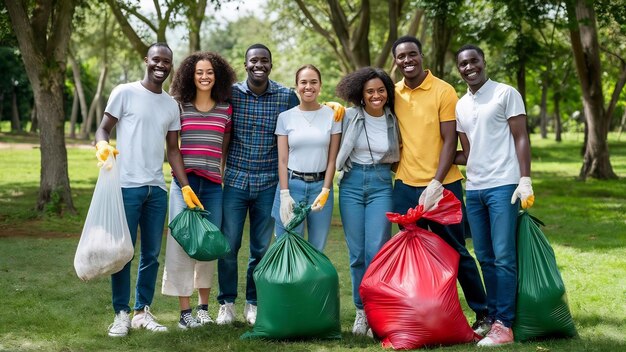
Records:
x=376, y=135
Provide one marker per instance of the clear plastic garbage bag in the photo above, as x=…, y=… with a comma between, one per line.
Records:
x=105, y=245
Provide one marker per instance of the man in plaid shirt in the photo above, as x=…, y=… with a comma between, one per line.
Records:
x=251, y=176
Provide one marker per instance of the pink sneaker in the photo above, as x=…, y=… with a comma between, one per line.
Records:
x=499, y=335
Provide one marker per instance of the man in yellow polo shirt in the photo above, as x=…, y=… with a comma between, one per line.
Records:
x=425, y=108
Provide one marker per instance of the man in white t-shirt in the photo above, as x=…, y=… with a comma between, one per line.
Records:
x=491, y=122
x=147, y=119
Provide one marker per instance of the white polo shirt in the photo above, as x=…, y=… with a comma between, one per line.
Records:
x=483, y=117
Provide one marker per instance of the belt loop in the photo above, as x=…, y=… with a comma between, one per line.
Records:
x=289, y=173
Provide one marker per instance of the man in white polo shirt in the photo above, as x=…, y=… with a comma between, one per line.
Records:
x=491, y=123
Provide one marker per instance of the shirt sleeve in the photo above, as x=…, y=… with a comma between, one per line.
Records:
x=514, y=103
x=115, y=104
x=448, y=104
x=293, y=99
x=459, y=126
x=281, y=129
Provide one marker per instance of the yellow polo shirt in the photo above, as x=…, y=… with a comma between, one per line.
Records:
x=419, y=112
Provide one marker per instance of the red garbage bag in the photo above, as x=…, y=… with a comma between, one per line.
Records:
x=409, y=291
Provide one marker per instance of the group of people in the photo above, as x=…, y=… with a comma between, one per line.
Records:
x=256, y=148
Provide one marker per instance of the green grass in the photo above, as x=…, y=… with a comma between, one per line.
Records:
x=46, y=307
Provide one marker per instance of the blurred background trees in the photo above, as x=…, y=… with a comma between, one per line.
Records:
x=567, y=58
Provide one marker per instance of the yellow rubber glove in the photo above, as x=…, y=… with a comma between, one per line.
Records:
x=190, y=198
x=431, y=196
x=103, y=150
x=524, y=192
x=338, y=109
x=321, y=199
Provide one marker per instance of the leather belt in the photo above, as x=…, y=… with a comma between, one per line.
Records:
x=307, y=176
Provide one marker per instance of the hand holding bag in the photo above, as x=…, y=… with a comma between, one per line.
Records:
x=200, y=238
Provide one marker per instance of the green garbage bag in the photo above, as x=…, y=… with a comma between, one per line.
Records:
x=542, y=309
x=200, y=239
x=297, y=290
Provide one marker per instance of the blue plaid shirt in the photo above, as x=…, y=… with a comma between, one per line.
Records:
x=252, y=161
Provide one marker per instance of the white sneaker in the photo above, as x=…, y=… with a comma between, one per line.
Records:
x=187, y=322
x=121, y=325
x=226, y=315
x=147, y=321
x=360, y=326
x=249, y=313
x=203, y=317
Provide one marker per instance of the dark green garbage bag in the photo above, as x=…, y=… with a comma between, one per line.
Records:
x=297, y=290
x=200, y=239
x=542, y=309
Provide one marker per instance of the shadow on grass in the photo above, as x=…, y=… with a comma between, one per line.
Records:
x=19, y=217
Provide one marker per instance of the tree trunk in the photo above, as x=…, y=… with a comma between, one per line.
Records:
x=34, y=122
x=86, y=128
x=621, y=125
x=80, y=92
x=442, y=33
x=543, y=112
x=74, y=115
x=16, y=125
x=54, y=187
x=43, y=40
x=584, y=38
x=556, y=98
x=195, y=15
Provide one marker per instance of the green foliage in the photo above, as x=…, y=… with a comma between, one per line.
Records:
x=584, y=223
x=14, y=80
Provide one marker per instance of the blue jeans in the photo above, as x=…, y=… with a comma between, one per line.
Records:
x=317, y=222
x=364, y=198
x=405, y=197
x=146, y=208
x=209, y=193
x=493, y=220
x=237, y=203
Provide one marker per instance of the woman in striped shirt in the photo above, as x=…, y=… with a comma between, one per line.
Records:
x=202, y=85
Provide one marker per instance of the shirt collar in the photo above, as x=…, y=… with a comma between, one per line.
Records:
x=485, y=88
x=271, y=87
x=426, y=84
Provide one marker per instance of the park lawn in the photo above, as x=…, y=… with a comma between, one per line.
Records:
x=46, y=307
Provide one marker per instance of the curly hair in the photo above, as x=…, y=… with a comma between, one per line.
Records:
x=350, y=88
x=183, y=86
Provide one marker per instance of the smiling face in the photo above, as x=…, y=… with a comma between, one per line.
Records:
x=409, y=61
x=158, y=65
x=308, y=85
x=374, y=96
x=204, y=76
x=258, y=65
x=471, y=66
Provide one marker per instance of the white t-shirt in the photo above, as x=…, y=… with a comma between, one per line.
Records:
x=483, y=117
x=379, y=143
x=308, y=133
x=144, y=118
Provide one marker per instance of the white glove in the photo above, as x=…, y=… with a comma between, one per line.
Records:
x=286, y=206
x=431, y=195
x=524, y=192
